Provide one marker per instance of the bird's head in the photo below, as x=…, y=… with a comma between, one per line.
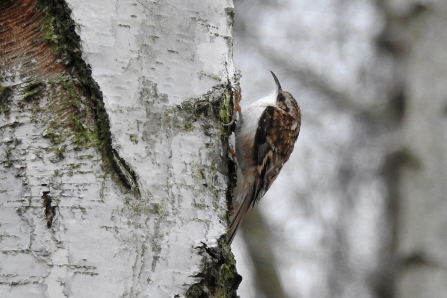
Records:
x=285, y=100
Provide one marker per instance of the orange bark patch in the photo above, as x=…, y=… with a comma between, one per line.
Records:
x=23, y=46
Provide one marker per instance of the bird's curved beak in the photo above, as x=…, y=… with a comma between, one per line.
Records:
x=278, y=85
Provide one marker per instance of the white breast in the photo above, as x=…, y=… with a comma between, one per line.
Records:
x=246, y=129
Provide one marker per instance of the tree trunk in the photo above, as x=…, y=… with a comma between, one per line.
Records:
x=114, y=175
x=419, y=40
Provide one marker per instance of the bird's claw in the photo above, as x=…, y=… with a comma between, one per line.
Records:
x=237, y=96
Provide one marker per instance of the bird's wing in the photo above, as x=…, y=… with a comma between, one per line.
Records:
x=274, y=141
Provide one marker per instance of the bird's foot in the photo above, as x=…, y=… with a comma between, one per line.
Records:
x=237, y=97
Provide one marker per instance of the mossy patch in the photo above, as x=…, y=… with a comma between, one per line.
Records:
x=32, y=90
x=218, y=276
x=133, y=138
x=79, y=112
x=230, y=12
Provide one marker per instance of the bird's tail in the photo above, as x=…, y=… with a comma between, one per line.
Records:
x=245, y=196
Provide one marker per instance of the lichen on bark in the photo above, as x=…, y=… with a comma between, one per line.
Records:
x=93, y=128
x=63, y=147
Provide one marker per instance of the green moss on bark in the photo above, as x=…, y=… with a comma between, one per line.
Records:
x=218, y=277
x=81, y=91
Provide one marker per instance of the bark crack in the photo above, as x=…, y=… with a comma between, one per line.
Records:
x=50, y=210
x=67, y=45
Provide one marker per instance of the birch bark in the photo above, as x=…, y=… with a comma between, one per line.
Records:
x=113, y=157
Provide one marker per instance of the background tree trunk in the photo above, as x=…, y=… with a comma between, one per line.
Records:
x=416, y=34
x=114, y=163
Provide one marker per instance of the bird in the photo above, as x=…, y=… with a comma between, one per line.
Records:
x=265, y=136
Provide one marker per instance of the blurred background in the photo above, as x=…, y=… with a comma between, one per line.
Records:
x=360, y=209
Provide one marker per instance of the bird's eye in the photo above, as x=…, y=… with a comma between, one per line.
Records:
x=281, y=97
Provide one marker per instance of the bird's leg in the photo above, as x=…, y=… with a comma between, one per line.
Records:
x=237, y=108
x=232, y=154
x=237, y=95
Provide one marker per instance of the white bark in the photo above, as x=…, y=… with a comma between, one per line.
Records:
x=162, y=68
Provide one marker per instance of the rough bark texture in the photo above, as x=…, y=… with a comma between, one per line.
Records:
x=114, y=163
x=416, y=34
